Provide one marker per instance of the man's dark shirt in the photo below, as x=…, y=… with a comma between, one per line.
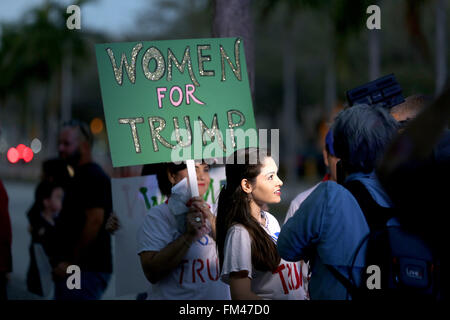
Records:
x=89, y=188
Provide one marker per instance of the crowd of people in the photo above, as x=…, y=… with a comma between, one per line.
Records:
x=390, y=162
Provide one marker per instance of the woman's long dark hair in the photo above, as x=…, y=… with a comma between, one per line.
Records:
x=43, y=191
x=162, y=170
x=234, y=208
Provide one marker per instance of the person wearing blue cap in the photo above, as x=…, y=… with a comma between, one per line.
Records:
x=330, y=160
x=329, y=226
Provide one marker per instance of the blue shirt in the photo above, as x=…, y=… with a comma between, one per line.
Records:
x=328, y=228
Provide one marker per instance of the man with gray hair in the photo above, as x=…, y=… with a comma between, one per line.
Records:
x=330, y=225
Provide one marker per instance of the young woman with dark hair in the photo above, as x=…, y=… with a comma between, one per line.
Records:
x=179, y=256
x=247, y=235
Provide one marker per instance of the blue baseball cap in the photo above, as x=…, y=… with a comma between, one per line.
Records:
x=329, y=142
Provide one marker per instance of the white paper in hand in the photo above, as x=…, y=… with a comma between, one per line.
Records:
x=45, y=270
x=177, y=203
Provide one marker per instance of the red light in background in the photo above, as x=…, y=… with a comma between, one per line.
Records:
x=27, y=154
x=13, y=155
x=20, y=149
x=20, y=152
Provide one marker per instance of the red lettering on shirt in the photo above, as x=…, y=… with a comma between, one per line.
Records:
x=182, y=270
x=198, y=270
x=298, y=279
x=290, y=282
x=300, y=274
x=294, y=277
x=209, y=270
x=279, y=270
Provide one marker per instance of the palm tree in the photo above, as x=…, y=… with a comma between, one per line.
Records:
x=348, y=18
x=287, y=119
x=233, y=18
x=36, y=52
x=341, y=29
x=413, y=11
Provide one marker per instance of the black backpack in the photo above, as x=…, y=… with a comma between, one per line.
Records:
x=408, y=267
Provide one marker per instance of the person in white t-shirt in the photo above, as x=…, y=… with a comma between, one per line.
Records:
x=247, y=235
x=180, y=259
x=330, y=160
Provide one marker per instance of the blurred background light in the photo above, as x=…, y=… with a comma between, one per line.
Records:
x=20, y=149
x=20, y=152
x=12, y=155
x=36, y=145
x=96, y=125
x=27, y=154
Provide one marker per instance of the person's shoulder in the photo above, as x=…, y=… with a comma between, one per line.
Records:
x=94, y=175
x=327, y=194
x=338, y=201
x=271, y=220
x=237, y=229
x=159, y=210
x=331, y=188
x=159, y=216
x=304, y=194
x=94, y=169
x=307, y=192
x=272, y=224
x=237, y=233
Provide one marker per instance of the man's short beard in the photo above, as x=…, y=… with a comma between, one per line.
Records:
x=74, y=158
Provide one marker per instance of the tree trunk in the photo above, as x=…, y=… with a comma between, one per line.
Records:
x=441, y=53
x=374, y=54
x=52, y=118
x=233, y=18
x=66, y=88
x=288, y=125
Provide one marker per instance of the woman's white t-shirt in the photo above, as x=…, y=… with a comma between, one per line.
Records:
x=286, y=283
x=197, y=276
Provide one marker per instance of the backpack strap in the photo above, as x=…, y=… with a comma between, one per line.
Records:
x=351, y=288
x=376, y=217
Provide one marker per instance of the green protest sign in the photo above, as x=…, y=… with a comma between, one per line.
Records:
x=175, y=100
